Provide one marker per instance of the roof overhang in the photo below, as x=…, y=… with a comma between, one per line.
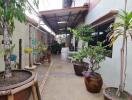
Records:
x=60, y=20
x=35, y=24
x=104, y=19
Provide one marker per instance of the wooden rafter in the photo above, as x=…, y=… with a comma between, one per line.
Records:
x=57, y=23
x=68, y=21
x=46, y=21
x=71, y=15
x=74, y=14
x=75, y=19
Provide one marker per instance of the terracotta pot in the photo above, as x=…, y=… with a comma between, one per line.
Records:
x=23, y=92
x=93, y=82
x=110, y=94
x=79, y=67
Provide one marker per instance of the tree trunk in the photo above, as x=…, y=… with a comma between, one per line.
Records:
x=6, y=38
x=123, y=63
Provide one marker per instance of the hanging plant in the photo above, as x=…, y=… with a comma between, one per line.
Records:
x=28, y=50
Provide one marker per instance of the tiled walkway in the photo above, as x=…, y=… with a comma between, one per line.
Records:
x=42, y=69
x=63, y=84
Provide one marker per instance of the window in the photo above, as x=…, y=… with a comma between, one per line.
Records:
x=101, y=35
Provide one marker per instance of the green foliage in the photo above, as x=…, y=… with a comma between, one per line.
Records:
x=10, y=10
x=7, y=51
x=83, y=32
x=41, y=47
x=96, y=54
x=125, y=24
x=79, y=56
x=122, y=28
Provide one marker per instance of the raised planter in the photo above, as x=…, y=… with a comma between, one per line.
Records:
x=18, y=87
x=93, y=81
x=110, y=94
x=79, y=67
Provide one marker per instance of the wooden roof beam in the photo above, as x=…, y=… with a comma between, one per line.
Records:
x=74, y=21
x=46, y=21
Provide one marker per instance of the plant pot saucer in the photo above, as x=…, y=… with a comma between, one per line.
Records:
x=110, y=94
x=30, y=68
x=37, y=63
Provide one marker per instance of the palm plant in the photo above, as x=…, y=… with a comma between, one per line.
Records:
x=10, y=10
x=122, y=29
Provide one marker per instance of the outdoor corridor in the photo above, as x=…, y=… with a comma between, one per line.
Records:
x=63, y=84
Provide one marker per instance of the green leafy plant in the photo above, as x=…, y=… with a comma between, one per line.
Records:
x=79, y=56
x=83, y=32
x=8, y=51
x=42, y=47
x=95, y=54
x=10, y=10
x=122, y=29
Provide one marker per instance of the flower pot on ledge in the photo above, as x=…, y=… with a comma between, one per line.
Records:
x=30, y=68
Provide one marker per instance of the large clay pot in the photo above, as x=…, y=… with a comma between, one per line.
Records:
x=11, y=86
x=93, y=81
x=79, y=67
x=110, y=94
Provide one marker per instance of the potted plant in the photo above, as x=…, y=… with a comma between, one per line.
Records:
x=13, y=79
x=83, y=32
x=122, y=29
x=29, y=52
x=44, y=52
x=95, y=54
x=79, y=65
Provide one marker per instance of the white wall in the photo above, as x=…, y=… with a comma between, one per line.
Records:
x=111, y=66
x=104, y=7
x=21, y=32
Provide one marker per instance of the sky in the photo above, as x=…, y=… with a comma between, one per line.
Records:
x=50, y=4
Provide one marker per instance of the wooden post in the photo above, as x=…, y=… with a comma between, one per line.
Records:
x=37, y=90
x=34, y=92
x=11, y=97
x=20, y=54
x=30, y=62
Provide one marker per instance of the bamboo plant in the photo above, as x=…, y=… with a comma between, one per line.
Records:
x=122, y=29
x=10, y=10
